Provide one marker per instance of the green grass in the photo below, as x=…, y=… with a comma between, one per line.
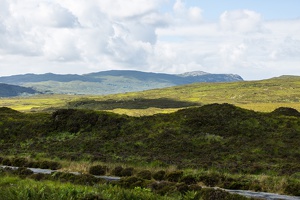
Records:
x=252, y=147
x=12, y=188
x=264, y=96
x=223, y=136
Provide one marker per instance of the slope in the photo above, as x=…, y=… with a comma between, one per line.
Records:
x=219, y=136
x=265, y=95
x=111, y=82
x=7, y=90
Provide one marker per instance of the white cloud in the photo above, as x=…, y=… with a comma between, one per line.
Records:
x=186, y=15
x=84, y=36
x=242, y=21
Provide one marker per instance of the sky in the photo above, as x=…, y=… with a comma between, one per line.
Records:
x=257, y=39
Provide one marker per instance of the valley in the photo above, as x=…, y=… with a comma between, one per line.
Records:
x=235, y=135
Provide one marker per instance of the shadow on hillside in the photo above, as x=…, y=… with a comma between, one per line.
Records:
x=130, y=104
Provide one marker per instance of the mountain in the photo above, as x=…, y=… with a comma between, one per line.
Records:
x=112, y=82
x=7, y=90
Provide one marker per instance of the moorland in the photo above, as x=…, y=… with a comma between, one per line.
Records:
x=171, y=143
x=111, y=82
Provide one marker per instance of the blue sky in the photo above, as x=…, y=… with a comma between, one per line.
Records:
x=270, y=9
x=256, y=39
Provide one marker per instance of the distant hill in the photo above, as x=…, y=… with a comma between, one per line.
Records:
x=263, y=95
x=7, y=90
x=112, y=82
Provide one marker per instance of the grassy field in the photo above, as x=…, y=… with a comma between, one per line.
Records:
x=206, y=145
x=264, y=96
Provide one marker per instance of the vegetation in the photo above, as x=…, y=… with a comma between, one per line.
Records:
x=7, y=90
x=265, y=96
x=171, y=155
x=219, y=137
x=111, y=82
x=21, y=185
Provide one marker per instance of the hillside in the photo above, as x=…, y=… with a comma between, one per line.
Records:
x=7, y=90
x=111, y=82
x=219, y=136
x=265, y=95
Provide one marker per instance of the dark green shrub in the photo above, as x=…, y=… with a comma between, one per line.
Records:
x=66, y=177
x=98, y=170
x=182, y=188
x=234, y=185
x=217, y=194
x=82, y=179
x=127, y=171
x=189, y=179
x=7, y=162
x=212, y=194
x=145, y=174
x=159, y=175
x=54, y=165
x=92, y=197
x=293, y=188
x=19, y=162
x=117, y=171
x=195, y=187
x=174, y=176
x=33, y=164
x=163, y=187
x=286, y=111
x=210, y=179
x=131, y=182
x=49, y=165
x=23, y=171
x=39, y=176
x=85, y=179
x=1, y=159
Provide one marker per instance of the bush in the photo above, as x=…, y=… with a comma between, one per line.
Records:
x=19, y=162
x=92, y=197
x=286, y=111
x=160, y=175
x=39, y=176
x=210, y=179
x=83, y=179
x=189, y=179
x=195, y=187
x=98, y=170
x=64, y=177
x=131, y=182
x=293, y=188
x=127, y=171
x=86, y=179
x=6, y=161
x=23, y=172
x=1, y=159
x=49, y=165
x=145, y=174
x=33, y=164
x=182, y=188
x=213, y=194
x=174, y=176
x=117, y=171
x=163, y=187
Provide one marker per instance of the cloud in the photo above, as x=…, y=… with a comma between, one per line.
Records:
x=84, y=36
x=184, y=14
x=242, y=21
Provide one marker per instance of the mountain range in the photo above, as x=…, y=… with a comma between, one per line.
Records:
x=7, y=90
x=111, y=82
